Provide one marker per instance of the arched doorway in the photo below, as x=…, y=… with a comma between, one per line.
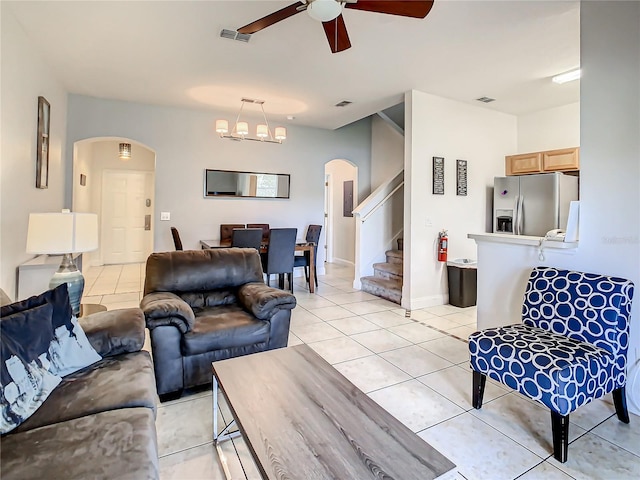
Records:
x=341, y=197
x=121, y=192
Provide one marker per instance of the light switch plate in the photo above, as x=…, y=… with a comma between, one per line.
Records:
x=165, y=215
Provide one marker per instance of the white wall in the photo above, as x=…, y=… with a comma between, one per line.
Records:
x=25, y=76
x=185, y=145
x=342, y=230
x=435, y=126
x=610, y=153
x=387, y=152
x=549, y=129
x=609, y=175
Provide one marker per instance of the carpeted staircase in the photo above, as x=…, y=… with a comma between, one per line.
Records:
x=386, y=281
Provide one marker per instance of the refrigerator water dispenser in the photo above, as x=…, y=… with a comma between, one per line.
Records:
x=504, y=221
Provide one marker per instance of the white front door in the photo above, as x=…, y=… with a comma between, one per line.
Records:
x=123, y=211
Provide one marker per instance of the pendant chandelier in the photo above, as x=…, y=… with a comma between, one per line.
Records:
x=240, y=130
x=124, y=151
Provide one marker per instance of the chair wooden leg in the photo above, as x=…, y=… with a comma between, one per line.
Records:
x=291, y=281
x=560, y=429
x=281, y=281
x=315, y=275
x=620, y=402
x=479, y=380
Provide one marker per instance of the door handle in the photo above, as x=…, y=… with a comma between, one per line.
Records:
x=520, y=215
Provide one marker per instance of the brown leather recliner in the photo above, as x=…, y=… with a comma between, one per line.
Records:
x=206, y=305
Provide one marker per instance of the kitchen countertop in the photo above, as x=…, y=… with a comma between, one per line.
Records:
x=524, y=240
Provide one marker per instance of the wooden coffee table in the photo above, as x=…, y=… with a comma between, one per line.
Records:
x=302, y=419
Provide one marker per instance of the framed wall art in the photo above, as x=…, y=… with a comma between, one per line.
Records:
x=461, y=177
x=438, y=176
x=42, y=147
x=347, y=198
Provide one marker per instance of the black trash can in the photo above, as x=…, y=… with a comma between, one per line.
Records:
x=463, y=281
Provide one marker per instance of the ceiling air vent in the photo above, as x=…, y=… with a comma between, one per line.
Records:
x=233, y=35
x=343, y=103
x=486, y=99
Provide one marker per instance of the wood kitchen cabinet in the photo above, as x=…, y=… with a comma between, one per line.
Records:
x=561, y=160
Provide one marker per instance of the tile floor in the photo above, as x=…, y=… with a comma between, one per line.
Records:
x=417, y=369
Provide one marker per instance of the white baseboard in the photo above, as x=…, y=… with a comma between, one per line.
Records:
x=342, y=261
x=424, y=302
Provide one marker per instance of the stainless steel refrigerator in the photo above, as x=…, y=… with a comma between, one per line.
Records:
x=532, y=204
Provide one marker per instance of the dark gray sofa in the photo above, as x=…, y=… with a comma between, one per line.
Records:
x=207, y=305
x=98, y=422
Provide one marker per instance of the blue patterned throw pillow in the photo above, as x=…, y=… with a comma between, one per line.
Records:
x=70, y=350
x=25, y=379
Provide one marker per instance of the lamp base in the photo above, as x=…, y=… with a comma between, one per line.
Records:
x=68, y=273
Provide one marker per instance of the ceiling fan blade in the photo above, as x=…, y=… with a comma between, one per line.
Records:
x=337, y=35
x=272, y=18
x=405, y=8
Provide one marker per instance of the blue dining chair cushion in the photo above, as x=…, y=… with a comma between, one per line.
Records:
x=561, y=372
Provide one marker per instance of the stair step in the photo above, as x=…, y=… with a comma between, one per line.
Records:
x=394, y=256
x=381, y=287
x=390, y=271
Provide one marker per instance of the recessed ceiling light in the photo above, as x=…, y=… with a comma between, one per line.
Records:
x=290, y=117
x=567, y=77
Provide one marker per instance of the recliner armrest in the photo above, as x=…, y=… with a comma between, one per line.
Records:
x=166, y=308
x=115, y=332
x=263, y=301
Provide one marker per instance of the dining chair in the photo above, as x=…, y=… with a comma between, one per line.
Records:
x=313, y=236
x=226, y=232
x=246, y=238
x=279, y=257
x=176, y=238
x=265, y=230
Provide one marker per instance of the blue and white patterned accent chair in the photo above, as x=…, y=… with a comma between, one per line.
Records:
x=570, y=349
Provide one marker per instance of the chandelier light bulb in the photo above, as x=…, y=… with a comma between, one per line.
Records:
x=242, y=128
x=281, y=133
x=222, y=126
x=262, y=131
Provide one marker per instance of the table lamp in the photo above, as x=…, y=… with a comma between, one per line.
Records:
x=64, y=234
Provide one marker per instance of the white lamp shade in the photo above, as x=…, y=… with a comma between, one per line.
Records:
x=60, y=233
x=281, y=133
x=262, y=131
x=222, y=126
x=242, y=128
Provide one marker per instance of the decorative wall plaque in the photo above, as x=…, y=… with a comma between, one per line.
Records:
x=461, y=177
x=438, y=175
x=347, y=198
x=42, y=147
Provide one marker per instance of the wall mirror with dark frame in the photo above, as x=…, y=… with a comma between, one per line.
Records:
x=229, y=183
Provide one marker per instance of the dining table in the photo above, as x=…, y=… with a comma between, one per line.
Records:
x=301, y=246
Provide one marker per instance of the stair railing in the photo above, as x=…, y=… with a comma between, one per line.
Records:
x=379, y=222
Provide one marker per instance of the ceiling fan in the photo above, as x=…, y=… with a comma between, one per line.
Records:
x=329, y=12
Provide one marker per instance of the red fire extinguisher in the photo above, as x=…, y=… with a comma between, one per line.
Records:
x=443, y=240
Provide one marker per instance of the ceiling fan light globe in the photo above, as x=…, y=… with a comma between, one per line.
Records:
x=324, y=10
